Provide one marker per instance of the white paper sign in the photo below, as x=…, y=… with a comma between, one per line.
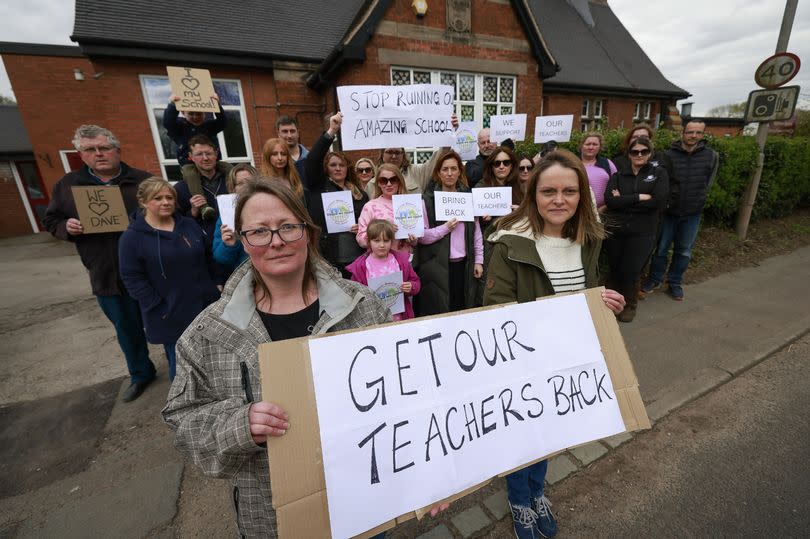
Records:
x=454, y=206
x=492, y=201
x=410, y=416
x=557, y=128
x=408, y=216
x=227, y=210
x=506, y=126
x=338, y=210
x=389, y=289
x=466, y=142
x=396, y=116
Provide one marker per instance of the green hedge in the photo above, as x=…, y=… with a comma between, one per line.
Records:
x=785, y=182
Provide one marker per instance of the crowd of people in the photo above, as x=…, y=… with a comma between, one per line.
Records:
x=210, y=294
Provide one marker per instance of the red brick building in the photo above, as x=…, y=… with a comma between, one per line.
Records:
x=276, y=62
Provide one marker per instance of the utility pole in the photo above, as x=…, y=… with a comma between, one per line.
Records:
x=750, y=196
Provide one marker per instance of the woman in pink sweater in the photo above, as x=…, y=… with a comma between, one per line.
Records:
x=389, y=182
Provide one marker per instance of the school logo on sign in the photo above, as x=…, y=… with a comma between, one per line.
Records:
x=409, y=215
x=465, y=140
x=339, y=212
x=388, y=292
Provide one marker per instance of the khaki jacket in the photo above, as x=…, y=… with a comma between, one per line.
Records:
x=207, y=404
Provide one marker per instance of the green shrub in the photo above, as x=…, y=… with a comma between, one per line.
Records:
x=785, y=182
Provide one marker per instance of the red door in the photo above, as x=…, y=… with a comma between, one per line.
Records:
x=34, y=189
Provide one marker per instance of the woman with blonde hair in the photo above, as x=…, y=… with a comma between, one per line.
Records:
x=278, y=163
x=550, y=244
x=364, y=170
x=166, y=266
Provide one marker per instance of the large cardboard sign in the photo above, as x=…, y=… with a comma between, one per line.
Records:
x=453, y=205
x=412, y=413
x=194, y=87
x=101, y=208
x=556, y=128
x=507, y=126
x=396, y=116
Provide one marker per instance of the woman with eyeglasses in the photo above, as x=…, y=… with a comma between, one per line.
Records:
x=599, y=168
x=329, y=172
x=278, y=163
x=364, y=170
x=635, y=198
x=166, y=265
x=525, y=166
x=285, y=291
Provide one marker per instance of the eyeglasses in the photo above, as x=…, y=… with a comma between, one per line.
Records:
x=639, y=153
x=365, y=170
x=393, y=152
x=525, y=168
x=387, y=181
x=203, y=154
x=259, y=237
x=97, y=149
x=504, y=162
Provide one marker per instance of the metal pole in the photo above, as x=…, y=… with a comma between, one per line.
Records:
x=750, y=196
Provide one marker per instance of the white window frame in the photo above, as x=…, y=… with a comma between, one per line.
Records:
x=478, y=103
x=586, y=109
x=585, y=126
x=166, y=161
x=647, y=110
x=637, y=113
x=597, y=108
x=63, y=157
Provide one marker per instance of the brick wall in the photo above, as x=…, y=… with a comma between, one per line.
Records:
x=13, y=218
x=619, y=110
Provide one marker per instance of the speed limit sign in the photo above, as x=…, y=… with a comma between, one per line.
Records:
x=777, y=70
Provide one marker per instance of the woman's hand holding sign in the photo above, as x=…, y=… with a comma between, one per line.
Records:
x=267, y=419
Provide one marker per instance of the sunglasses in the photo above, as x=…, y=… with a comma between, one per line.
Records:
x=505, y=162
x=639, y=153
x=387, y=181
x=525, y=168
x=365, y=170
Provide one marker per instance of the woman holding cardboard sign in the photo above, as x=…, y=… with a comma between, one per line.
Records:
x=285, y=291
x=449, y=268
x=329, y=172
x=550, y=244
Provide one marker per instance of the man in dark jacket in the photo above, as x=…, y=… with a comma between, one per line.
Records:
x=694, y=167
x=100, y=151
x=474, y=168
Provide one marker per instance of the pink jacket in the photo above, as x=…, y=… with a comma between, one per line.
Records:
x=358, y=271
x=383, y=208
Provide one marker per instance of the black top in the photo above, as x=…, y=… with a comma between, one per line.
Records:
x=292, y=325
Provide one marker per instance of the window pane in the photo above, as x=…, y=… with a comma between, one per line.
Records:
x=507, y=87
x=167, y=144
x=173, y=173
x=157, y=90
x=489, y=110
x=400, y=77
x=490, y=88
x=466, y=87
x=423, y=156
x=450, y=80
x=228, y=92
x=234, y=137
x=506, y=110
x=467, y=113
x=585, y=107
x=421, y=77
x=30, y=177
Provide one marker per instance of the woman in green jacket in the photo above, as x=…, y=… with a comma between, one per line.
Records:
x=550, y=244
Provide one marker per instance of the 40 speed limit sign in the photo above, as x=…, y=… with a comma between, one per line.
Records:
x=777, y=70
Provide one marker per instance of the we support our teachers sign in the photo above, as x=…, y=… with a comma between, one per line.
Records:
x=396, y=116
x=412, y=413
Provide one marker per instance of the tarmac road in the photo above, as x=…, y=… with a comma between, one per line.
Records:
x=730, y=464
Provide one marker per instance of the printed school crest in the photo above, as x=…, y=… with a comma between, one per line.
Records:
x=339, y=211
x=388, y=292
x=408, y=215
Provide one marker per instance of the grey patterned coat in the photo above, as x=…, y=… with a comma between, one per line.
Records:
x=207, y=404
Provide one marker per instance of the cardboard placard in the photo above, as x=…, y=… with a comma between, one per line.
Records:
x=194, y=87
x=556, y=128
x=338, y=211
x=507, y=126
x=227, y=210
x=454, y=205
x=101, y=208
x=466, y=141
x=396, y=116
x=389, y=289
x=492, y=201
x=297, y=461
x=408, y=216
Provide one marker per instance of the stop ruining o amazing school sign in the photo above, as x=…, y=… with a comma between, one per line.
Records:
x=413, y=413
x=396, y=116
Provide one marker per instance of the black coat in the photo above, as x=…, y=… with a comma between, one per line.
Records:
x=626, y=213
x=433, y=264
x=342, y=248
x=98, y=252
x=692, y=176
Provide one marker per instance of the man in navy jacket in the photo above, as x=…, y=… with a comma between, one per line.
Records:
x=101, y=153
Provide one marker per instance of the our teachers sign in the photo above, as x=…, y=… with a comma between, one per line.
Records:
x=396, y=116
x=410, y=414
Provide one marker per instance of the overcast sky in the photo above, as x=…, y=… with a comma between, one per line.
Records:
x=711, y=48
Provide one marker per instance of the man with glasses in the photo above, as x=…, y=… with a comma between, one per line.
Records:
x=694, y=167
x=100, y=151
x=474, y=168
x=202, y=181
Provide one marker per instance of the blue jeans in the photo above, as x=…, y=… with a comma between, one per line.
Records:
x=525, y=484
x=125, y=315
x=171, y=357
x=680, y=231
